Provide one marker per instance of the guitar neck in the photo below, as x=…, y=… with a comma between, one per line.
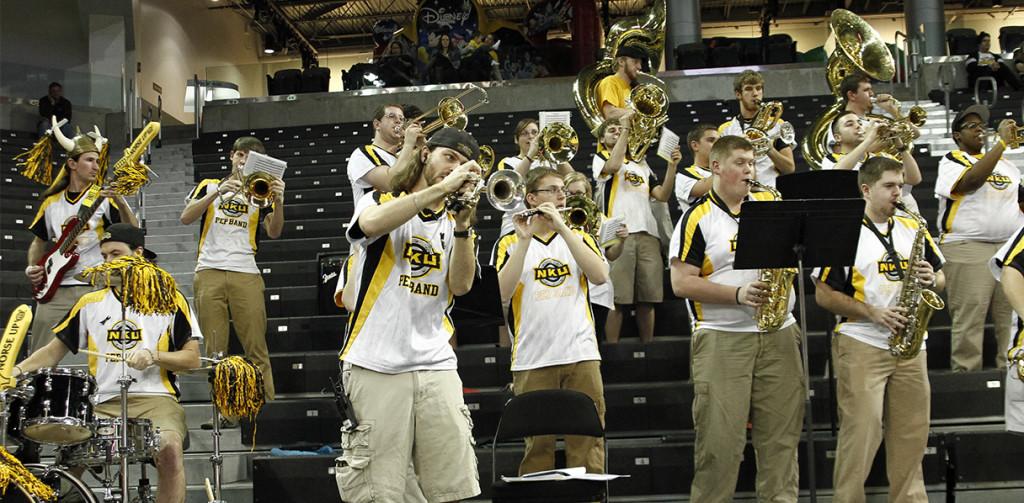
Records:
x=85, y=214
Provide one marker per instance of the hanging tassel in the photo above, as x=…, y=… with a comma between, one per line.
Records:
x=148, y=288
x=103, y=161
x=12, y=470
x=37, y=162
x=238, y=389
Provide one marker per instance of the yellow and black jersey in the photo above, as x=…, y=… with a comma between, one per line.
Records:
x=229, y=230
x=344, y=276
x=506, y=218
x=95, y=323
x=54, y=213
x=401, y=321
x=989, y=214
x=705, y=237
x=831, y=159
x=685, y=180
x=627, y=193
x=360, y=163
x=876, y=278
x=766, y=172
x=549, y=317
x=1010, y=256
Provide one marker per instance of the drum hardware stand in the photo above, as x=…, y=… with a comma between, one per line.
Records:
x=216, y=459
x=125, y=381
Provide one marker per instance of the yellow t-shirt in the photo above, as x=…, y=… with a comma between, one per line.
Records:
x=612, y=90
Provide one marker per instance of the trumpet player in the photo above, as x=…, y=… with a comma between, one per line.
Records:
x=858, y=139
x=749, y=89
x=978, y=211
x=527, y=137
x=543, y=272
x=879, y=395
x=740, y=374
x=860, y=98
x=227, y=283
x=1007, y=266
x=627, y=187
x=399, y=370
x=371, y=167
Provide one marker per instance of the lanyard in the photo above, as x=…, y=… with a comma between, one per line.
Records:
x=887, y=242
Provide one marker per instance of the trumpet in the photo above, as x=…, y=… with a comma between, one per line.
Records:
x=255, y=188
x=1015, y=143
x=451, y=111
x=506, y=190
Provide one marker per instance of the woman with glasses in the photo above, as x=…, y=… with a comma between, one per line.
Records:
x=978, y=212
x=544, y=269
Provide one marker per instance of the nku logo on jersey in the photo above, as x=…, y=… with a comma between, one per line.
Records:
x=998, y=182
x=421, y=257
x=551, y=272
x=890, y=269
x=634, y=179
x=234, y=207
x=132, y=335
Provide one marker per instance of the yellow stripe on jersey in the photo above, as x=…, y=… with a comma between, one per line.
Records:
x=1012, y=254
x=585, y=287
x=723, y=126
x=690, y=225
x=589, y=241
x=516, y=308
x=254, y=226
x=368, y=297
x=449, y=325
x=504, y=249
x=89, y=298
x=960, y=157
x=858, y=284
x=1018, y=340
x=371, y=152
x=164, y=344
x=706, y=268
x=951, y=209
x=42, y=208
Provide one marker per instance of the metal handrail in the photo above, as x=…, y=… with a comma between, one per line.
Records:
x=196, y=108
x=159, y=118
x=947, y=88
x=977, y=91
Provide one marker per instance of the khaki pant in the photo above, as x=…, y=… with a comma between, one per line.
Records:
x=880, y=394
x=972, y=290
x=584, y=377
x=238, y=296
x=638, y=272
x=162, y=411
x=49, y=314
x=740, y=377
x=413, y=417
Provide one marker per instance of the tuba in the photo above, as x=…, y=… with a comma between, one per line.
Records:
x=558, y=143
x=858, y=48
x=650, y=104
x=773, y=313
x=920, y=303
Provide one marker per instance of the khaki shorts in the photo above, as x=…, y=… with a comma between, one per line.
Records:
x=638, y=273
x=413, y=417
x=163, y=411
x=49, y=314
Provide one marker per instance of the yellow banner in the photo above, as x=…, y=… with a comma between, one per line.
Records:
x=10, y=344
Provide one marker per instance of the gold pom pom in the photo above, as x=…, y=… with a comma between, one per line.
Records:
x=12, y=470
x=147, y=288
x=238, y=389
x=36, y=161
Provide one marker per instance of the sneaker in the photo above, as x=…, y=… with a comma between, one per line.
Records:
x=225, y=424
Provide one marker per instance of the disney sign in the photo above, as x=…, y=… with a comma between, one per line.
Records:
x=458, y=18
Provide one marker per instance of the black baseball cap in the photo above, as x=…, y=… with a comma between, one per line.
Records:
x=458, y=140
x=980, y=110
x=130, y=235
x=631, y=51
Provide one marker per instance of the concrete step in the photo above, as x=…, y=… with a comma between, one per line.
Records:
x=240, y=491
x=173, y=247
x=162, y=237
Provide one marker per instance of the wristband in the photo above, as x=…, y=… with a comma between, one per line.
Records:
x=738, y=294
x=151, y=354
x=464, y=234
x=1003, y=143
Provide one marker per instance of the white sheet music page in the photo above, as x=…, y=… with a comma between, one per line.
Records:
x=667, y=144
x=546, y=118
x=257, y=162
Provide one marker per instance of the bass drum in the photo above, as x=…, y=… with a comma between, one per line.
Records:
x=69, y=489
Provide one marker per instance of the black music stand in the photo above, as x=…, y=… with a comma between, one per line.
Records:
x=800, y=233
x=480, y=308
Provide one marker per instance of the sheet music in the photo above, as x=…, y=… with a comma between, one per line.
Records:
x=546, y=118
x=259, y=162
x=667, y=144
x=577, y=473
x=607, y=235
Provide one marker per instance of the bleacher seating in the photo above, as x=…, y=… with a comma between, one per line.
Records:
x=962, y=41
x=1010, y=38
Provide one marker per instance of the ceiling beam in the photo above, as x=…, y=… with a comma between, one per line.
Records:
x=291, y=26
x=320, y=10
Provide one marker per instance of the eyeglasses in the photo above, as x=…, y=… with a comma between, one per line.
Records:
x=576, y=193
x=553, y=190
x=972, y=125
x=395, y=117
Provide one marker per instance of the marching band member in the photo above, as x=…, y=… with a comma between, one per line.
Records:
x=544, y=270
x=227, y=283
x=399, y=370
x=859, y=96
x=371, y=167
x=749, y=89
x=1008, y=268
x=739, y=373
x=857, y=140
x=627, y=187
x=879, y=393
x=159, y=345
x=613, y=90
x=62, y=200
x=694, y=182
x=978, y=212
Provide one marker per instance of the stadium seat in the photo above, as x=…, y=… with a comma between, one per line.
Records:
x=728, y=55
x=962, y=41
x=691, y=56
x=1010, y=38
x=288, y=81
x=316, y=79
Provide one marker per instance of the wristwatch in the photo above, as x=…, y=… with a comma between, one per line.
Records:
x=468, y=233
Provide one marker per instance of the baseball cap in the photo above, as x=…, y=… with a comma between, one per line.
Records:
x=132, y=236
x=979, y=110
x=456, y=139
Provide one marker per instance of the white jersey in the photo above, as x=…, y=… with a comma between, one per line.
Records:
x=989, y=214
x=56, y=210
x=876, y=278
x=95, y=323
x=510, y=163
x=705, y=237
x=766, y=172
x=627, y=193
x=360, y=163
x=685, y=180
x=549, y=319
x=831, y=159
x=229, y=230
x=1010, y=256
x=401, y=319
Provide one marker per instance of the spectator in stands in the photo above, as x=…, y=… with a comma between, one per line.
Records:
x=555, y=345
x=1008, y=268
x=1018, y=60
x=694, y=182
x=749, y=89
x=481, y=59
x=613, y=90
x=860, y=98
x=227, y=284
x=54, y=104
x=741, y=374
x=62, y=200
x=879, y=393
x=397, y=68
x=370, y=166
x=988, y=64
x=628, y=186
x=857, y=140
x=445, y=61
x=978, y=212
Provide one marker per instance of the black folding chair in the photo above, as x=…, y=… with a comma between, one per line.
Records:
x=548, y=412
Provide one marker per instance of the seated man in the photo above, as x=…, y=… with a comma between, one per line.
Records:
x=160, y=345
x=988, y=64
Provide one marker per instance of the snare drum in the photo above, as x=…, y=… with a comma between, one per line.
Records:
x=53, y=407
x=101, y=449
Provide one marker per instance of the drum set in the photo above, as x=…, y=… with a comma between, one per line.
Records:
x=53, y=407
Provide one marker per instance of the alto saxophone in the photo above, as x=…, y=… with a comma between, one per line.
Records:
x=773, y=313
x=919, y=302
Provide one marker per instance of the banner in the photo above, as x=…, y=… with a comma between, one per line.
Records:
x=460, y=19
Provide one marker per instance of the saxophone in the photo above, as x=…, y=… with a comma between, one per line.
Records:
x=919, y=302
x=773, y=313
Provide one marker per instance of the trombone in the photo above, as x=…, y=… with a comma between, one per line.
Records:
x=558, y=143
x=451, y=111
x=255, y=188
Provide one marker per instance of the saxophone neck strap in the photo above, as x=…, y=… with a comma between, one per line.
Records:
x=887, y=242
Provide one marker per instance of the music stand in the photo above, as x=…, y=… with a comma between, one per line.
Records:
x=800, y=233
x=480, y=308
